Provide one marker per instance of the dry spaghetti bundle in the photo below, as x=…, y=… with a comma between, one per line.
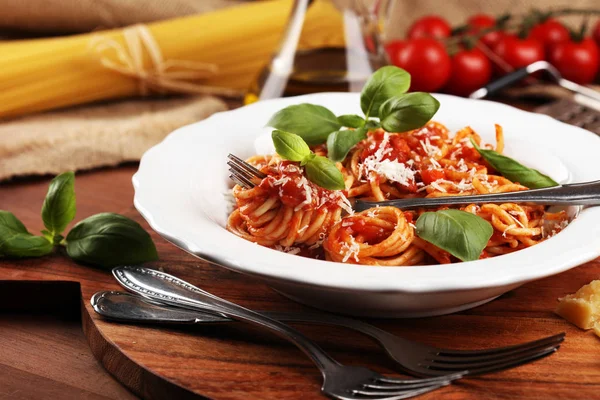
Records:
x=219, y=52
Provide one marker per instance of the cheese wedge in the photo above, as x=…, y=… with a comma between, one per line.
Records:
x=583, y=307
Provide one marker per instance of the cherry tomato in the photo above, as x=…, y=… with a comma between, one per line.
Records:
x=431, y=26
x=479, y=22
x=425, y=59
x=549, y=33
x=517, y=52
x=471, y=69
x=596, y=32
x=576, y=61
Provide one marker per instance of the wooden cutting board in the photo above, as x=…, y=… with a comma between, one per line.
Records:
x=238, y=362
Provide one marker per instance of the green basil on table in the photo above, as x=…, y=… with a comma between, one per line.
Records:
x=59, y=206
x=311, y=122
x=385, y=83
x=409, y=111
x=17, y=242
x=460, y=233
x=514, y=170
x=341, y=142
x=108, y=239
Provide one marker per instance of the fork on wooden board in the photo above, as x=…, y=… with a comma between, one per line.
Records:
x=444, y=365
x=412, y=357
x=341, y=382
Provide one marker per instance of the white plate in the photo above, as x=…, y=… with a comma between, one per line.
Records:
x=181, y=189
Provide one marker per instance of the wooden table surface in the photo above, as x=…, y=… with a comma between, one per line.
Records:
x=44, y=354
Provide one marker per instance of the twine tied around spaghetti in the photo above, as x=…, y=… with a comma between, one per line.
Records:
x=163, y=75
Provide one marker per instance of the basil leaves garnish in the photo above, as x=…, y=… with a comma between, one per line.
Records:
x=17, y=242
x=319, y=170
x=104, y=240
x=351, y=120
x=59, y=206
x=385, y=83
x=323, y=172
x=460, y=233
x=108, y=239
x=290, y=146
x=341, y=142
x=407, y=112
x=311, y=122
x=514, y=170
x=383, y=97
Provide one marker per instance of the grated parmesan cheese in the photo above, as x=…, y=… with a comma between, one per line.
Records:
x=288, y=249
x=350, y=250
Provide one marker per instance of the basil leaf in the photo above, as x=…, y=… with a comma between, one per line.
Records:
x=59, y=206
x=290, y=146
x=409, y=111
x=515, y=171
x=372, y=124
x=351, y=120
x=108, y=239
x=385, y=83
x=460, y=233
x=17, y=242
x=323, y=172
x=311, y=122
x=341, y=142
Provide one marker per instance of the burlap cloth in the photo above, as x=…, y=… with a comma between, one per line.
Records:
x=99, y=135
x=92, y=136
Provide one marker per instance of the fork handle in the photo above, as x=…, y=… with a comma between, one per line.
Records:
x=174, y=291
x=587, y=193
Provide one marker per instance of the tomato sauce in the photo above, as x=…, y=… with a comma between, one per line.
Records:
x=360, y=228
x=287, y=181
x=396, y=149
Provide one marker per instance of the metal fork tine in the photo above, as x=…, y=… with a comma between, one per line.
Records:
x=491, y=363
x=244, y=165
x=410, y=384
x=507, y=365
x=437, y=379
x=236, y=169
x=499, y=350
x=242, y=182
x=550, y=341
x=398, y=395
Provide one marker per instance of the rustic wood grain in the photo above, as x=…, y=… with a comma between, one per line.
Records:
x=237, y=362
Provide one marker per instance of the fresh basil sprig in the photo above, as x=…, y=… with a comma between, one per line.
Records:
x=351, y=120
x=385, y=83
x=108, y=240
x=311, y=122
x=103, y=240
x=323, y=172
x=514, y=170
x=341, y=142
x=59, y=206
x=383, y=96
x=407, y=112
x=319, y=170
x=460, y=233
x=291, y=146
x=17, y=242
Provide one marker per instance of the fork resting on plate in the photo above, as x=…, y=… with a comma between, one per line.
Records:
x=587, y=193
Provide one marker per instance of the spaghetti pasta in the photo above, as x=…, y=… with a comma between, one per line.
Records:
x=289, y=213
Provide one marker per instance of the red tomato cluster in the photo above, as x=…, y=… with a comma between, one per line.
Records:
x=463, y=62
